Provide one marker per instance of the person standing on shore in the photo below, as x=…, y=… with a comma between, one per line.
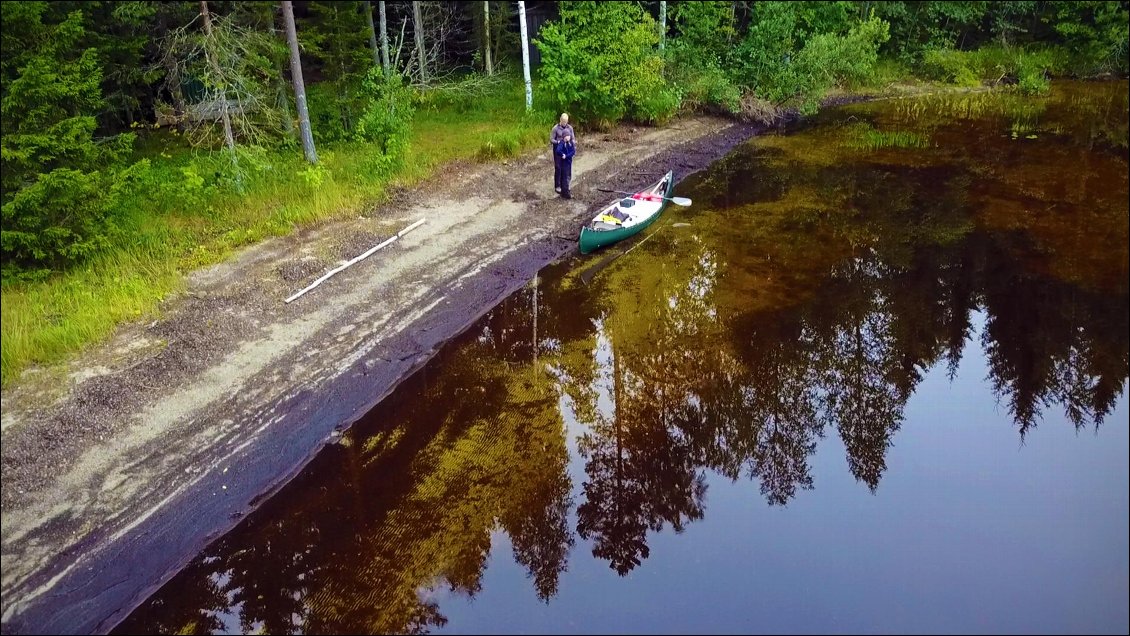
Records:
x=563, y=153
x=556, y=136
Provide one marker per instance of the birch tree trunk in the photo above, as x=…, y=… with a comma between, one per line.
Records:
x=299, y=85
x=525, y=56
x=662, y=23
x=418, y=28
x=384, y=39
x=486, y=30
x=372, y=33
x=229, y=138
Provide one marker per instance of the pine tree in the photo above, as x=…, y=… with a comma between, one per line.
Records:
x=55, y=178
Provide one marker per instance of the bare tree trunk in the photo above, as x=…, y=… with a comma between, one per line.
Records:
x=229, y=138
x=662, y=23
x=400, y=45
x=384, y=39
x=418, y=27
x=180, y=109
x=372, y=33
x=284, y=101
x=525, y=56
x=486, y=30
x=173, y=80
x=299, y=85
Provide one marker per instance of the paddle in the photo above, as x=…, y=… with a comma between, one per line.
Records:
x=683, y=201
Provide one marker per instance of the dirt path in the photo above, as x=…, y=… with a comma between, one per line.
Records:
x=155, y=443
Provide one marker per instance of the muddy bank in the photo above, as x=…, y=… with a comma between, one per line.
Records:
x=174, y=430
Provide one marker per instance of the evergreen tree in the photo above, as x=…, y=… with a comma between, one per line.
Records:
x=55, y=189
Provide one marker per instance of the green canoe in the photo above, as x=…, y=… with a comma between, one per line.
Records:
x=627, y=216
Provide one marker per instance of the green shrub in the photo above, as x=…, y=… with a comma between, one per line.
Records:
x=162, y=185
x=657, y=106
x=599, y=62
x=387, y=118
x=1032, y=79
x=1096, y=33
x=997, y=62
x=950, y=66
x=711, y=89
x=1027, y=67
x=699, y=81
x=844, y=59
x=763, y=59
x=704, y=30
x=332, y=111
x=696, y=58
x=775, y=66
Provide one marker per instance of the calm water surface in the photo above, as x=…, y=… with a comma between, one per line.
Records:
x=873, y=380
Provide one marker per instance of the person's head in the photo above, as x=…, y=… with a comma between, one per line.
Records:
x=568, y=138
x=564, y=120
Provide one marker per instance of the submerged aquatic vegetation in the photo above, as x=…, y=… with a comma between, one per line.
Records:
x=866, y=137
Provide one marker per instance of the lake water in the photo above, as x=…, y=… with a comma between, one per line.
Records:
x=874, y=380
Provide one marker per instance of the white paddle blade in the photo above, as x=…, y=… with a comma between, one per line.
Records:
x=683, y=201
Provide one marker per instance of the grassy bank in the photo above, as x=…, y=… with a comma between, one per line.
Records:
x=190, y=214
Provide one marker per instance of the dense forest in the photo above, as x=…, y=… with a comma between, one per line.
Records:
x=142, y=139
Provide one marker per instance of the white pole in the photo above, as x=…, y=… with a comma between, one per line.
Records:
x=525, y=55
x=486, y=31
x=358, y=259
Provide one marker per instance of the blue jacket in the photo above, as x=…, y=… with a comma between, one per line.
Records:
x=565, y=149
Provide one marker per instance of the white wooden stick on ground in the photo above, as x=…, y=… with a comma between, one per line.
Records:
x=358, y=259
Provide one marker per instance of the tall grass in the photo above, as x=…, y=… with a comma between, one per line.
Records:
x=864, y=137
x=189, y=216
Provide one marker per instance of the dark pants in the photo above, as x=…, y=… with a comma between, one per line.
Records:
x=562, y=173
